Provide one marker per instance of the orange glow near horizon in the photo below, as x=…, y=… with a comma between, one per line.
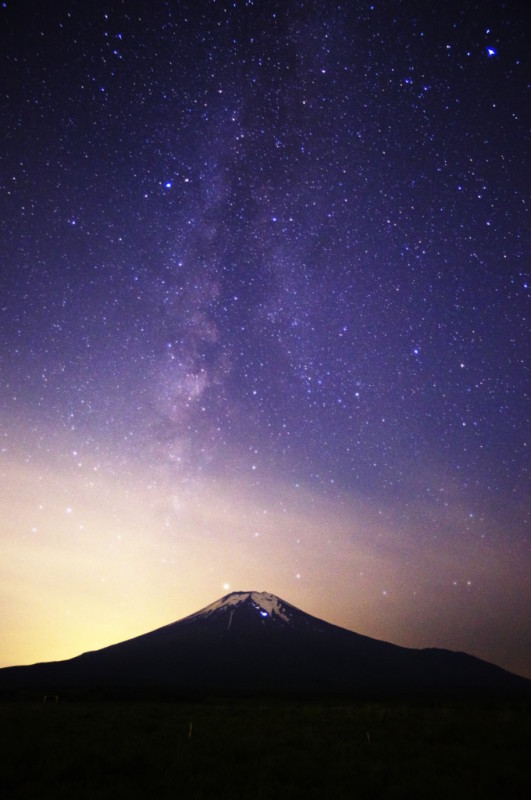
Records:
x=90, y=559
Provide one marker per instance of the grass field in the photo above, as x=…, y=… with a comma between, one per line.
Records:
x=264, y=749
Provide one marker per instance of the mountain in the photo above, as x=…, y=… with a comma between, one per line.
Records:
x=254, y=643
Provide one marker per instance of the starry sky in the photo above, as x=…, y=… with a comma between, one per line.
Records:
x=263, y=294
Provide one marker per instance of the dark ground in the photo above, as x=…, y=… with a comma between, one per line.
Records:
x=253, y=749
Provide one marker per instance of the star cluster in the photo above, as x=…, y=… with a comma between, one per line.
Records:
x=263, y=317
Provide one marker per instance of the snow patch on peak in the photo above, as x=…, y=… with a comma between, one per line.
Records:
x=268, y=605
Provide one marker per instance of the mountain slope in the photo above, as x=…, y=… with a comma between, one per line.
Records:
x=254, y=642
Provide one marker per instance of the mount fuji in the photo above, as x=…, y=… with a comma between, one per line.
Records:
x=256, y=643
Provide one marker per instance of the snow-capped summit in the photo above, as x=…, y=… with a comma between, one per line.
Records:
x=267, y=605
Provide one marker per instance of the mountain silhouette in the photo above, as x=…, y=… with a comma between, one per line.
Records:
x=256, y=643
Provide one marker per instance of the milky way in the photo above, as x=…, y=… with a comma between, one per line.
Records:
x=264, y=285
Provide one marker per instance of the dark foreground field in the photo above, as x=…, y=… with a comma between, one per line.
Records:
x=270, y=749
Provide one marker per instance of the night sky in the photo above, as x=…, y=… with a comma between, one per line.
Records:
x=264, y=275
